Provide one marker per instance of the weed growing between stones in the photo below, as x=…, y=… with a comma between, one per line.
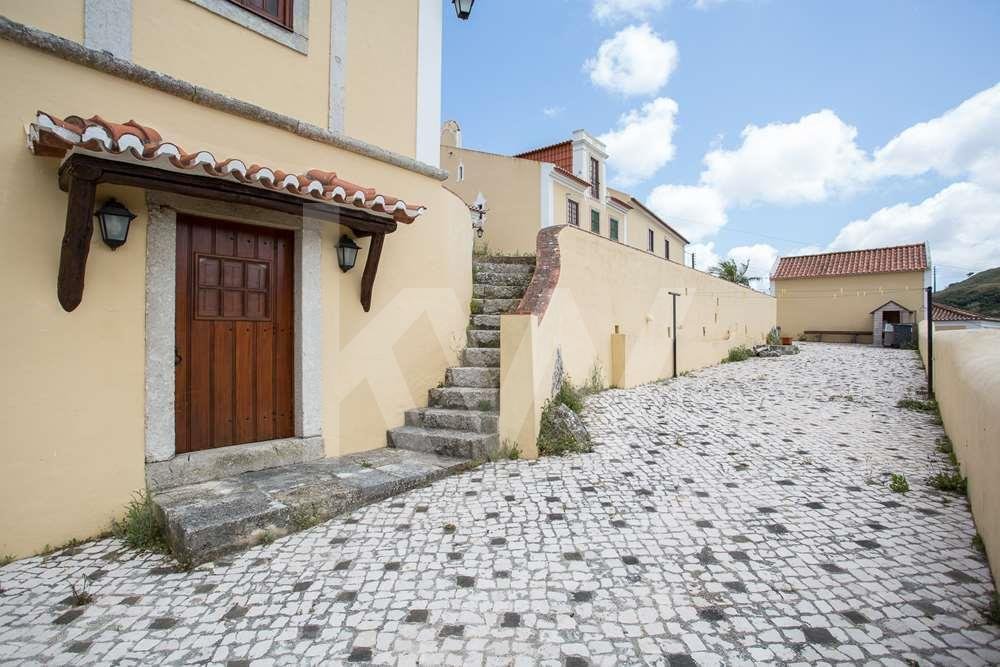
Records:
x=304, y=518
x=569, y=396
x=485, y=405
x=140, y=528
x=738, y=353
x=79, y=597
x=508, y=451
x=595, y=382
x=993, y=612
x=898, y=484
x=929, y=406
x=978, y=544
x=945, y=447
x=6, y=559
x=476, y=307
x=949, y=481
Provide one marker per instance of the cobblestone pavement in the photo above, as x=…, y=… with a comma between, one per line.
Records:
x=740, y=515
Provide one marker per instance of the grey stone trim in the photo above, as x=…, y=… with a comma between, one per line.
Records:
x=107, y=26
x=210, y=464
x=297, y=38
x=338, y=64
x=161, y=238
x=308, y=330
x=107, y=63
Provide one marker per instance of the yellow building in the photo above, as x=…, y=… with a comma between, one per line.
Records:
x=251, y=142
x=853, y=295
x=565, y=183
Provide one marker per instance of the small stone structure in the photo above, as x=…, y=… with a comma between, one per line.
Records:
x=889, y=312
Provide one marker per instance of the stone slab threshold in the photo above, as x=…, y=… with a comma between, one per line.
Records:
x=214, y=518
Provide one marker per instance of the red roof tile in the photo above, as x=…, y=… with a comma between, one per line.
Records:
x=943, y=313
x=560, y=154
x=569, y=174
x=854, y=262
x=55, y=137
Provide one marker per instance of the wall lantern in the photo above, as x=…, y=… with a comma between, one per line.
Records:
x=115, y=220
x=463, y=8
x=479, y=211
x=347, y=253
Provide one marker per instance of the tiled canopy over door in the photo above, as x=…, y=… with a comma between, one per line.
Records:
x=234, y=373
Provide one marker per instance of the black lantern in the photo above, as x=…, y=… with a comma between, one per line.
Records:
x=347, y=253
x=463, y=8
x=115, y=220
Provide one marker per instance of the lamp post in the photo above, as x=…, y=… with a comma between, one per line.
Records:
x=463, y=8
x=114, y=221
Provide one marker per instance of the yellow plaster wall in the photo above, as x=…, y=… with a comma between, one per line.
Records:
x=512, y=189
x=639, y=222
x=72, y=418
x=843, y=303
x=967, y=388
x=60, y=17
x=607, y=288
x=382, y=73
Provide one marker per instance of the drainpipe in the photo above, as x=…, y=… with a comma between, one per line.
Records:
x=675, y=295
x=930, y=343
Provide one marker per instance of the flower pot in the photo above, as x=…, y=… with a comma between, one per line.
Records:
x=786, y=340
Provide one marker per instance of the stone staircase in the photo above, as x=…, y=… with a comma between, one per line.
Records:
x=462, y=415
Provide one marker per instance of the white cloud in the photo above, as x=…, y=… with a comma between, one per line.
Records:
x=636, y=61
x=707, y=4
x=696, y=212
x=642, y=142
x=788, y=163
x=761, y=257
x=961, y=223
x=552, y=112
x=963, y=140
x=705, y=256
x=617, y=10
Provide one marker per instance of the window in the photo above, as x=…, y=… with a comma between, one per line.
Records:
x=595, y=176
x=613, y=229
x=276, y=11
x=595, y=221
x=461, y=172
x=572, y=212
x=666, y=248
x=649, y=240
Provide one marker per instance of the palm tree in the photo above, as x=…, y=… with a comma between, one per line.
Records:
x=733, y=271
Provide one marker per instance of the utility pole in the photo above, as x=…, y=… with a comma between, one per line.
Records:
x=930, y=344
x=674, y=330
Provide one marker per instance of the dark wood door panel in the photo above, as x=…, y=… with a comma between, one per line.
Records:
x=235, y=336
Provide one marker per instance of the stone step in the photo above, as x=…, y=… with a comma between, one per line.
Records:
x=497, y=306
x=472, y=376
x=481, y=291
x=503, y=259
x=504, y=267
x=481, y=356
x=485, y=322
x=465, y=398
x=458, y=444
x=483, y=337
x=208, y=520
x=501, y=278
x=473, y=421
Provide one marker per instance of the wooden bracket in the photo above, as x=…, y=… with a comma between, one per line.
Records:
x=371, y=268
x=82, y=186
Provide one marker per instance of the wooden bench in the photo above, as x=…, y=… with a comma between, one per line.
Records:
x=853, y=334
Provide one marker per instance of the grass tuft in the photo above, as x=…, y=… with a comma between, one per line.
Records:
x=79, y=597
x=993, y=611
x=569, y=396
x=898, y=484
x=304, y=518
x=140, y=528
x=6, y=559
x=978, y=544
x=945, y=447
x=949, y=481
x=739, y=353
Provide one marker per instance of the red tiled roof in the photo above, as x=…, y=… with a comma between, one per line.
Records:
x=854, y=262
x=55, y=137
x=569, y=174
x=560, y=154
x=943, y=312
x=622, y=204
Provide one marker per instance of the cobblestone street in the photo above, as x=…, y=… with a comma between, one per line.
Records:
x=739, y=515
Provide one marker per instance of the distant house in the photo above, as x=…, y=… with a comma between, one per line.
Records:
x=949, y=318
x=563, y=183
x=850, y=296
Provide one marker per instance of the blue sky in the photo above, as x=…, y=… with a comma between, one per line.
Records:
x=879, y=67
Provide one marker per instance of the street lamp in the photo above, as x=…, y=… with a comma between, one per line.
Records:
x=347, y=253
x=463, y=8
x=115, y=220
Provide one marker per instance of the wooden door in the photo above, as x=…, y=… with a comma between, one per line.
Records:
x=234, y=370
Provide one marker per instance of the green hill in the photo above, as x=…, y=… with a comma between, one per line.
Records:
x=980, y=293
